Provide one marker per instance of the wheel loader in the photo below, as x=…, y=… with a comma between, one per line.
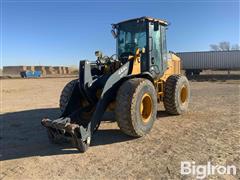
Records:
x=130, y=83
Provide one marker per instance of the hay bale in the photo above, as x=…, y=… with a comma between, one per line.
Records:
x=67, y=70
x=57, y=69
x=30, y=68
x=48, y=69
x=13, y=70
x=52, y=70
x=73, y=70
x=64, y=70
x=41, y=68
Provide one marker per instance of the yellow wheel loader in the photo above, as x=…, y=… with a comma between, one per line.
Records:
x=131, y=83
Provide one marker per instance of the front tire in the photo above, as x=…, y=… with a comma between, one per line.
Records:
x=136, y=107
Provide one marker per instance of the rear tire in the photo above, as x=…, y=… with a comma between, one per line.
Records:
x=176, y=94
x=136, y=107
x=66, y=94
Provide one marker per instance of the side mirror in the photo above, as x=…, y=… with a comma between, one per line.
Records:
x=155, y=26
x=98, y=54
x=114, y=34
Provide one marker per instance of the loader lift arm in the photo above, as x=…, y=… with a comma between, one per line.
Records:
x=67, y=123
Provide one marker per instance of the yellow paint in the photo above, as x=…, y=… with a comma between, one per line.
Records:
x=130, y=57
x=173, y=67
x=159, y=88
x=137, y=63
x=183, y=94
x=146, y=108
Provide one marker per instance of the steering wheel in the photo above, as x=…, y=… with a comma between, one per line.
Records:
x=130, y=46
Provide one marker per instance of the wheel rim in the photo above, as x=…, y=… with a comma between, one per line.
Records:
x=146, y=107
x=183, y=94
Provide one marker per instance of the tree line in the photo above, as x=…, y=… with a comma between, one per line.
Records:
x=224, y=46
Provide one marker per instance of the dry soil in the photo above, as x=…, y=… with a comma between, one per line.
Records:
x=209, y=131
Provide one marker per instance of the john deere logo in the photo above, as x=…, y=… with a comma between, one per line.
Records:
x=121, y=70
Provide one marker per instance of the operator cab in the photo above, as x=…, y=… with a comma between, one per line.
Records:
x=147, y=33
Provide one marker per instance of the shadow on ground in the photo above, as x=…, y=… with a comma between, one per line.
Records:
x=162, y=113
x=23, y=136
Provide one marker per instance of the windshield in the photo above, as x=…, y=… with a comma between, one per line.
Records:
x=131, y=35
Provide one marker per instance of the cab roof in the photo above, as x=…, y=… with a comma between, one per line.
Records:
x=162, y=22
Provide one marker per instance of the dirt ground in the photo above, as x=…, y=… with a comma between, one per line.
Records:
x=210, y=131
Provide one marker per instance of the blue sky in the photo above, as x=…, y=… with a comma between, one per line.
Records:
x=63, y=32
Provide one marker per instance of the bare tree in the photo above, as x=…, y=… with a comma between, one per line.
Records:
x=214, y=47
x=224, y=46
x=235, y=47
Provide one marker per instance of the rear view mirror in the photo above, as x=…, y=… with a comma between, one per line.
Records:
x=114, y=33
x=98, y=54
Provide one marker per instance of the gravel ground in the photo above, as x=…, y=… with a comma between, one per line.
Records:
x=210, y=131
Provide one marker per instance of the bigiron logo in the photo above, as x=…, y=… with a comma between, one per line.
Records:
x=203, y=171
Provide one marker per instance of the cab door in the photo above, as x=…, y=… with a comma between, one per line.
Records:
x=157, y=49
